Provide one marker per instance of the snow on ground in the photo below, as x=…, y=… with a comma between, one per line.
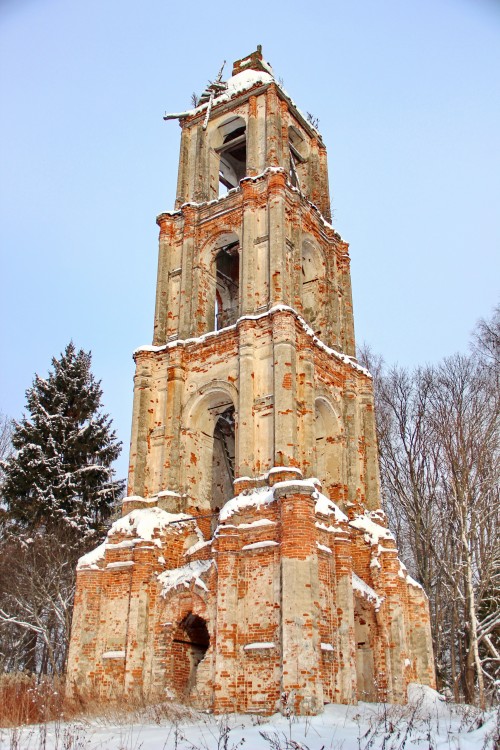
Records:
x=426, y=722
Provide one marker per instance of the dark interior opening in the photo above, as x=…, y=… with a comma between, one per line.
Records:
x=223, y=459
x=227, y=271
x=190, y=644
x=233, y=159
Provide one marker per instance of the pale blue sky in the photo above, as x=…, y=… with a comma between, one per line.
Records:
x=407, y=93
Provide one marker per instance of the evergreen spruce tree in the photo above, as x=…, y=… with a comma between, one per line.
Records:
x=60, y=479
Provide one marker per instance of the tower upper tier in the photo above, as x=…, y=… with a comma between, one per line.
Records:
x=250, y=229
x=240, y=128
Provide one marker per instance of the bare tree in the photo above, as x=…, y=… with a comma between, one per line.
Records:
x=486, y=339
x=37, y=581
x=464, y=415
x=438, y=433
x=5, y=436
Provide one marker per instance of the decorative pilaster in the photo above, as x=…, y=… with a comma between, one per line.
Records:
x=301, y=650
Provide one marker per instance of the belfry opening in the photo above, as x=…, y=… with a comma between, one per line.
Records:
x=252, y=557
x=227, y=274
x=232, y=154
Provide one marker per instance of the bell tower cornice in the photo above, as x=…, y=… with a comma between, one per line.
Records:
x=224, y=104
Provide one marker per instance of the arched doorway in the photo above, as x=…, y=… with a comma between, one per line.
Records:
x=189, y=646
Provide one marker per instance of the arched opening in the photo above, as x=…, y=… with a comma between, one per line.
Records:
x=232, y=154
x=365, y=630
x=298, y=157
x=189, y=646
x=313, y=287
x=223, y=456
x=210, y=450
x=227, y=275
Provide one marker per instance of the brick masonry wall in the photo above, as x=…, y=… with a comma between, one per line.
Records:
x=279, y=607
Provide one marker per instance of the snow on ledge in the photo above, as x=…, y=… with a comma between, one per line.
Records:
x=255, y=178
x=197, y=546
x=260, y=545
x=113, y=655
x=236, y=84
x=373, y=532
x=139, y=499
x=327, y=507
x=324, y=548
x=326, y=647
x=330, y=529
x=345, y=358
x=265, y=495
x=126, y=544
x=263, y=644
x=412, y=582
x=256, y=498
x=144, y=523
x=255, y=524
x=366, y=591
x=183, y=576
x=91, y=559
x=274, y=470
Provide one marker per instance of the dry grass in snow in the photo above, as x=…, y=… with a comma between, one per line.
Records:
x=426, y=723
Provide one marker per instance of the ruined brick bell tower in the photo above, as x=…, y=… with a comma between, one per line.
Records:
x=252, y=558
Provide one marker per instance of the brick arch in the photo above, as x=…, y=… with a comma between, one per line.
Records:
x=178, y=650
x=210, y=394
x=221, y=128
x=214, y=241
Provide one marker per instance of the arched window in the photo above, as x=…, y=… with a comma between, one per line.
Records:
x=227, y=274
x=232, y=154
x=210, y=448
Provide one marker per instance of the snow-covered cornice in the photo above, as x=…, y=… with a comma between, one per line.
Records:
x=234, y=191
x=345, y=358
x=239, y=84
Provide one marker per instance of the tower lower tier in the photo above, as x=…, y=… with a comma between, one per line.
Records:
x=287, y=599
